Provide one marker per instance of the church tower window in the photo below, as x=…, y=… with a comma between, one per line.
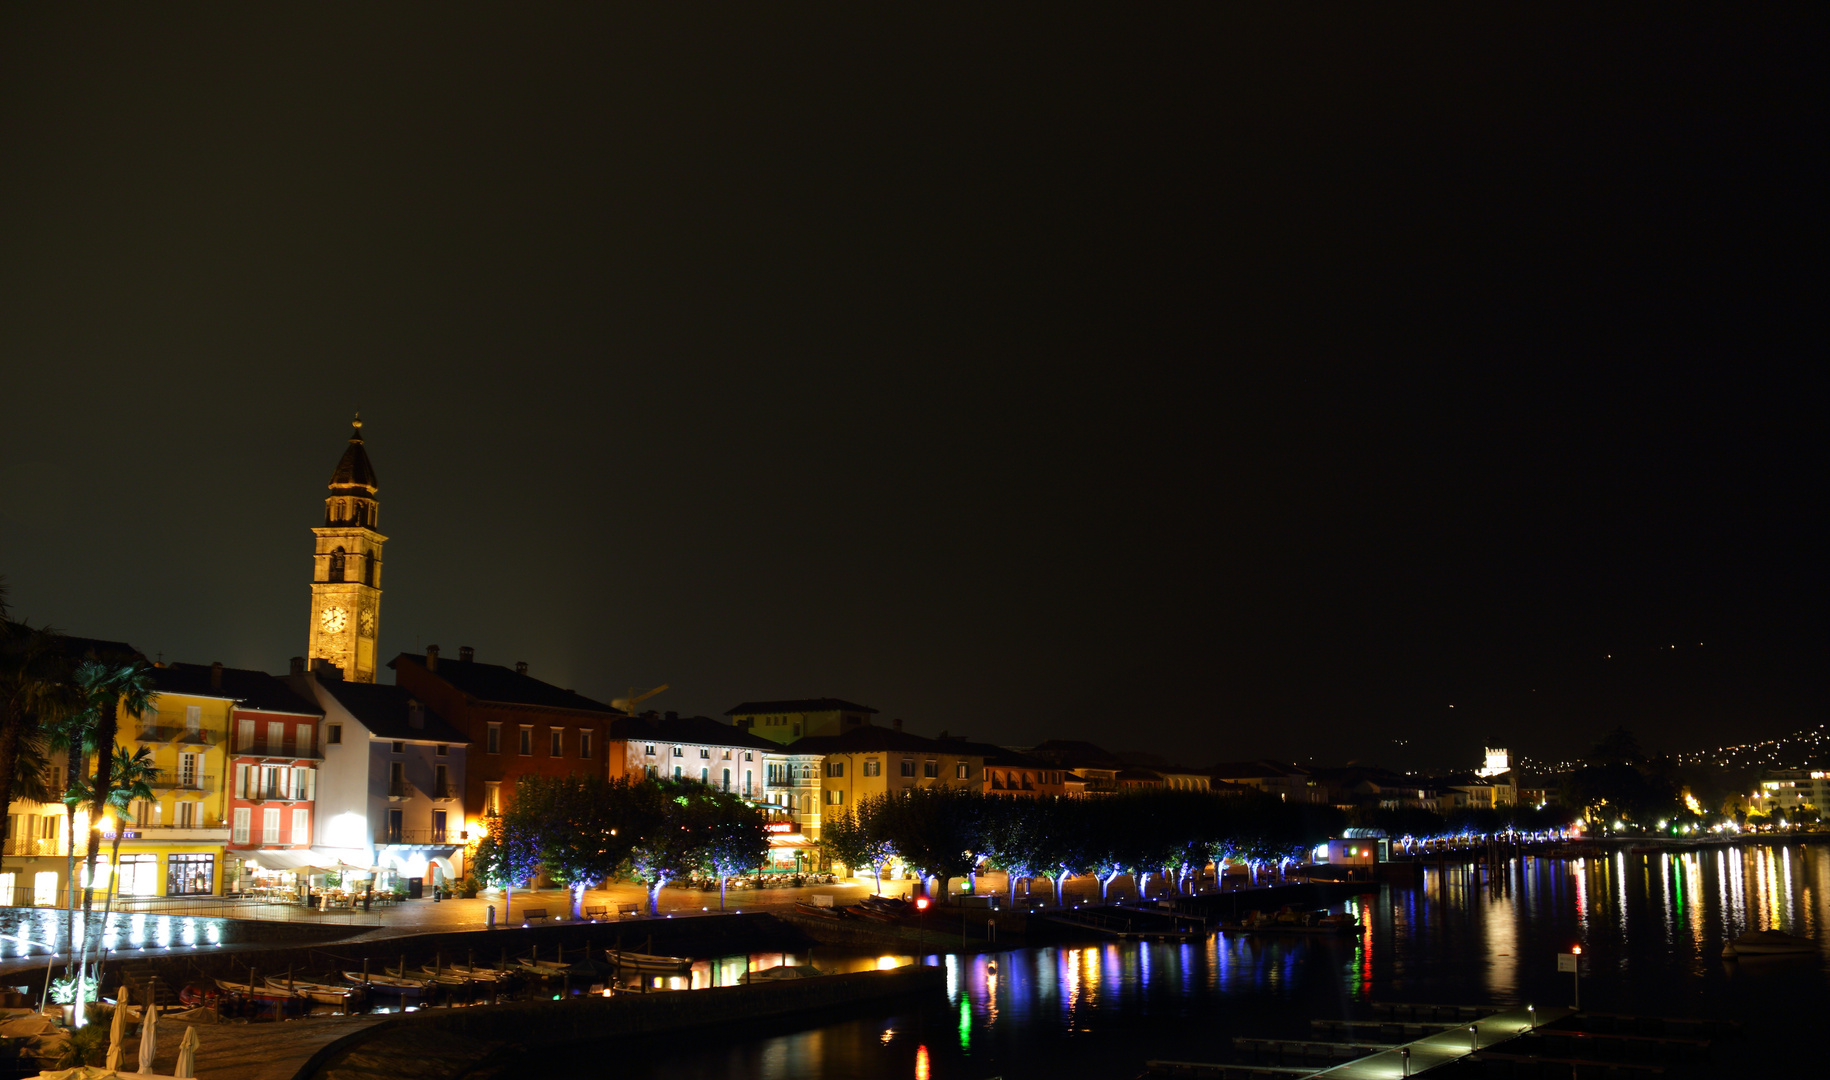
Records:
x=336, y=565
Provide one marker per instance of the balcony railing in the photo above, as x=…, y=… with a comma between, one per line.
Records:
x=167, y=778
x=401, y=789
x=385, y=835
x=31, y=845
x=283, y=751
x=272, y=793
x=780, y=781
x=445, y=793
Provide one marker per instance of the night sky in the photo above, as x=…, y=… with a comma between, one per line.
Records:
x=1190, y=384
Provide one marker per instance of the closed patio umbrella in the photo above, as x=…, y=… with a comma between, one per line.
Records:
x=117, y=1031
x=149, y=1035
x=187, y=1054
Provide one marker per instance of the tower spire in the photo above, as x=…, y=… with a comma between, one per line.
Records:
x=346, y=582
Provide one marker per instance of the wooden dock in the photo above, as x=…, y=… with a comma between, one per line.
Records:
x=1445, y=1046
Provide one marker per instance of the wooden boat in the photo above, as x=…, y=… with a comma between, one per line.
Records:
x=543, y=968
x=325, y=993
x=648, y=962
x=818, y=912
x=258, y=993
x=473, y=974
x=445, y=979
x=1292, y=922
x=1767, y=943
x=388, y=984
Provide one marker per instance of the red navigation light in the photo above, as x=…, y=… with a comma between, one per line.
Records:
x=921, y=903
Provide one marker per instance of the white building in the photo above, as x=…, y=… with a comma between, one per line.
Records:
x=391, y=791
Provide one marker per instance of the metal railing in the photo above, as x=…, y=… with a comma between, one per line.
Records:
x=168, y=778
x=401, y=789
x=263, y=748
x=385, y=835
x=446, y=793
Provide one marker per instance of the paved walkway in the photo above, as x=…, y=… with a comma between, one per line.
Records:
x=1445, y=1046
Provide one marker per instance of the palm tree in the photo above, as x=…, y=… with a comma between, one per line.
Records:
x=131, y=777
x=35, y=693
x=111, y=685
x=72, y=733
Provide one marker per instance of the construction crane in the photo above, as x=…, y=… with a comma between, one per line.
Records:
x=628, y=704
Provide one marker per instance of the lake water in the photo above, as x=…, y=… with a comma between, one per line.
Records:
x=1651, y=926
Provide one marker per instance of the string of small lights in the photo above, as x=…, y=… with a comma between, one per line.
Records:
x=1801, y=749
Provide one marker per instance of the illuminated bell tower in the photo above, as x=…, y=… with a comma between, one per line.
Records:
x=346, y=570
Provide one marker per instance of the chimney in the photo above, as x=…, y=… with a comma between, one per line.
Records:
x=897, y=723
x=432, y=658
x=298, y=665
x=521, y=667
x=416, y=714
x=466, y=654
x=216, y=675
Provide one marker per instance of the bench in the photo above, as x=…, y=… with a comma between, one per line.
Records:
x=624, y=911
x=597, y=912
x=533, y=914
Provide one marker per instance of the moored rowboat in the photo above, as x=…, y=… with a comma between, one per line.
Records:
x=635, y=961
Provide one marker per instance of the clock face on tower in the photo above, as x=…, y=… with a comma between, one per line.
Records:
x=334, y=619
x=366, y=620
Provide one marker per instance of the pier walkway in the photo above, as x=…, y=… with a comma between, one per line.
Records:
x=1445, y=1046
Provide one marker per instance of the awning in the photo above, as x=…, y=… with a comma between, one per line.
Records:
x=346, y=860
x=793, y=840
x=289, y=860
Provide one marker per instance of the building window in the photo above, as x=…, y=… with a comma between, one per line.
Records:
x=705, y=776
x=276, y=735
x=679, y=751
x=556, y=739
x=649, y=750
x=962, y=771
x=527, y=740
x=747, y=756
x=727, y=779
x=835, y=797
x=193, y=719
x=584, y=744
x=704, y=753
x=748, y=776
x=441, y=750
x=336, y=735
x=676, y=772
x=190, y=875
x=492, y=798
x=495, y=738
x=654, y=772
x=139, y=875
x=835, y=768
x=930, y=769
x=873, y=767
x=441, y=782
x=438, y=826
x=336, y=564
x=301, y=827
x=243, y=821
x=398, y=747
x=908, y=767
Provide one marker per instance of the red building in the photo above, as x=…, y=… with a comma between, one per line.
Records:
x=517, y=725
x=274, y=752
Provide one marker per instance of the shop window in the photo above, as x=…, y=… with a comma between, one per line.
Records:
x=44, y=888
x=139, y=875
x=190, y=875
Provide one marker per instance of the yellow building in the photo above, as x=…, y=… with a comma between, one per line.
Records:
x=786, y=721
x=874, y=761
x=174, y=845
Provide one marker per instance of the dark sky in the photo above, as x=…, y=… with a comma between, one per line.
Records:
x=1184, y=383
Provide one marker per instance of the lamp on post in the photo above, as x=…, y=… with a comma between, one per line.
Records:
x=1474, y=1037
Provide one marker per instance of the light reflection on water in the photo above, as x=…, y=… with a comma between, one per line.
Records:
x=1652, y=926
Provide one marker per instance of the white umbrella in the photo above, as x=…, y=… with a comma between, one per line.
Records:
x=187, y=1054
x=117, y=1032
x=149, y=1035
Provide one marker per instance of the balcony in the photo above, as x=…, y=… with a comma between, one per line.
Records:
x=446, y=793
x=385, y=835
x=286, y=751
x=271, y=794
x=167, y=779
x=207, y=831
x=32, y=845
x=401, y=790
x=779, y=782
